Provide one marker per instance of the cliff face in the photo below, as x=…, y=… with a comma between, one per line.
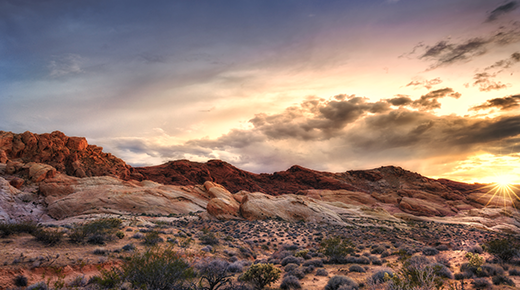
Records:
x=70, y=155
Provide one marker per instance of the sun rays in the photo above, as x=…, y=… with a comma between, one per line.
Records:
x=501, y=192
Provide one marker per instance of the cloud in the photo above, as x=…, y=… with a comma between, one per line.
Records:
x=506, y=63
x=503, y=104
x=485, y=84
x=430, y=100
x=425, y=83
x=316, y=119
x=347, y=131
x=445, y=52
x=501, y=10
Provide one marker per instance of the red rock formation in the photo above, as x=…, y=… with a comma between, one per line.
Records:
x=296, y=178
x=70, y=155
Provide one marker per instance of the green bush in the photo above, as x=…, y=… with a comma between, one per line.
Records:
x=261, y=275
x=157, y=268
x=120, y=235
x=504, y=249
x=336, y=248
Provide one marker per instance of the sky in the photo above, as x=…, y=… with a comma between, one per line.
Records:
x=430, y=86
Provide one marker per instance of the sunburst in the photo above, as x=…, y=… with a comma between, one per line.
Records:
x=502, y=189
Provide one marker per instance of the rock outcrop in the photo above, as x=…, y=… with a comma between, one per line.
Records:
x=69, y=155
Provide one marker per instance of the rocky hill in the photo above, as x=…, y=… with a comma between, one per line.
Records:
x=54, y=177
x=70, y=155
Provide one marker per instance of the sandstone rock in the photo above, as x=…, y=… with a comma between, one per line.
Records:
x=222, y=204
x=259, y=206
x=70, y=196
x=38, y=172
x=70, y=155
x=3, y=157
x=16, y=182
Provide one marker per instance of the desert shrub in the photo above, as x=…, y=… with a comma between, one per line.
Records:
x=385, y=254
x=128, y=247
x=475, y=262
x=502, y=280
x=156, y=268
x=120, y=234
x=214, y=273
x=491, y=270
x=415, y=274
x=377, y=249
x=504, y=249
x=302, y=254
x=476, y=249
x=356, y=268
x=344, y=282
x=49, y=237
x=358, y=260
x=481, y=283
x=236, y=267
x=376, y=261
x=37, y=286
x=442, y=248
x=290, y=267
x=314, y=262
x=100, y=252
x=379, y=276
x=208, y=238
x=430, y=251
x=296, y=272
x=514, y=272
x=77, y=282
x=322, y=272
x=96, y=231
x=97, y=239
x=291, y=260
x=20, y=281
x=290, y=282
x=261, y=275
x=152, y=238
x=336, y=248
x=7, y=229
x=308, y=269
x=442, y=271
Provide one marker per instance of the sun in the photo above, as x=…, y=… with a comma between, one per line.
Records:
x=502, y=190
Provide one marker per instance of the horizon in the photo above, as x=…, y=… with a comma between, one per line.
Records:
x=428, y=86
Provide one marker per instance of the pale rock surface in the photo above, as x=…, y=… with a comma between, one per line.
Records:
x=289, y=207
x=222, y=204
x=68, y=196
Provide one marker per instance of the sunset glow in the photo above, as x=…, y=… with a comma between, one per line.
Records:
x=431, y=86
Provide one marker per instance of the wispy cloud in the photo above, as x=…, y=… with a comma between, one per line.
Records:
x=501, y=10
x=65, y=64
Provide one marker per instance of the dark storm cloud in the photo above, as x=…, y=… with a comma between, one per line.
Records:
x=430, y=100
x=485, y=83
x=503, y=104
x=426, y=83
x=444, y=52
x=501, y=10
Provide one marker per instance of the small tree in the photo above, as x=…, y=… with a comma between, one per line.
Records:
x=336, y=248
x=261, y=275
x=214, y=273
x=157, y=268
